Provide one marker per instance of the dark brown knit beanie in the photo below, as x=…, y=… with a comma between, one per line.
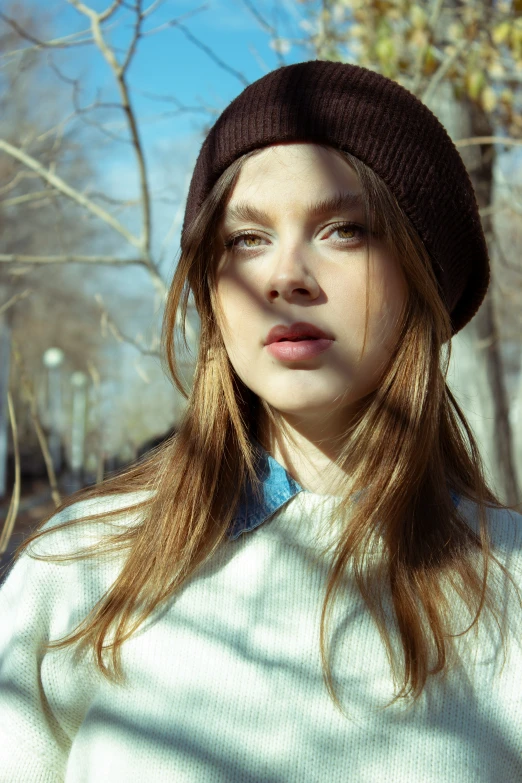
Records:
x=390, y=130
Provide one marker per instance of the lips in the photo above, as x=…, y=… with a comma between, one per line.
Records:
x=295, y=332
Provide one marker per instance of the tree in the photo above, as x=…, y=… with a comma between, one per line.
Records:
x=464, y=60
x=35, y=218
x=53, y=212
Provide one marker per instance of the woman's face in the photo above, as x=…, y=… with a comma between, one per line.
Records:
x=290, y=255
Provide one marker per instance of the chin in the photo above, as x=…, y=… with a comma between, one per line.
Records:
x=293, y=407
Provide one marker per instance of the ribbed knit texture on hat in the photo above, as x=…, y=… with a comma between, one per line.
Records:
x=390, y=130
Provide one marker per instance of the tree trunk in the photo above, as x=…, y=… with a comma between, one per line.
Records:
x=5, y=355
x=476, y=371
x=486, y=322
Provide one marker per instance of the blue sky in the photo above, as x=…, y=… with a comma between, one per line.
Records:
x=168, y=64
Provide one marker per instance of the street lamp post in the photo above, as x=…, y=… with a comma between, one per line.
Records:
x=53, y=360
x=78, y=425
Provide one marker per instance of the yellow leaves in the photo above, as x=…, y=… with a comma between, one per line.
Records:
x=394, y=37
x=456, y=32
x=357, y=30
x=501, y=32
x=418, y=17
x=510, y=34
x=395, y=14
x=488, y=99
x=338, y=13
x=385, y=50
x=516, y=38
x=496, y=69
x=475, y=83
x=431, y=62
x=419, y=38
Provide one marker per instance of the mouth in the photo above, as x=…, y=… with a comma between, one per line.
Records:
x=298, y=349
x=297, y=332
x=295, y=339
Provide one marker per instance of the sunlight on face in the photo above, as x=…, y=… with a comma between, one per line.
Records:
x=294, y=251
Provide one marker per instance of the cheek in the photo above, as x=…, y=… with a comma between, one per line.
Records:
x=389, y=292
x=226, y=297
x=234, y=316
x=237, y=299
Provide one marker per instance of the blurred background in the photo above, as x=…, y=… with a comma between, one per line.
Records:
x=103, y=110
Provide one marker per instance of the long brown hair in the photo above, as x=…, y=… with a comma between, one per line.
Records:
x=410, y=443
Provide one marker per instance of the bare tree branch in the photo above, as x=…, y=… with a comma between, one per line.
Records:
x=58, y=183
x=12, y=513
x=119, y=73
x=422, y=51
x=39, y=195
x=18, y=177
x=211, y=110
x=176, y=21
x=502, y=256
x=42, y=440
x=61, y=43
x=117, y=202
x=135, y=38
x=175, y=224
x=14, y=258
x=266, y=27
x=153, y=7
x=257, y=57
x=489, y=140
x=100, y=17
x=441, y=71
x=213, y=56
x=82, y=111
x=108, y=323
x=14, y=299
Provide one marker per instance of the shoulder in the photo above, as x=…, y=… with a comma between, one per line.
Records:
x=505, y=530
x=86, y=522
x=60, y=575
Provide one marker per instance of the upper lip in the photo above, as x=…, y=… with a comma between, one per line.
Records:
x=300, y=329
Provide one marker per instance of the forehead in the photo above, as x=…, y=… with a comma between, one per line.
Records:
x=302, y=170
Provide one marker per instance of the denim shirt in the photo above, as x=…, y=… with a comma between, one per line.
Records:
x=277, y=488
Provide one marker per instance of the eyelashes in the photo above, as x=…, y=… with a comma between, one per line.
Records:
x=232, y=243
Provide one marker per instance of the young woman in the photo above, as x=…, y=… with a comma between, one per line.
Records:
x=311, y=580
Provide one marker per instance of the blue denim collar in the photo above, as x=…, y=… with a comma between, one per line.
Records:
x=277, y=488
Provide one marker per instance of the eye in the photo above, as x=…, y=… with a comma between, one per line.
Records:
x=348, y=233
x=244, y=242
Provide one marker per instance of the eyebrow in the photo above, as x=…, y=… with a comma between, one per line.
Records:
x=340, y=202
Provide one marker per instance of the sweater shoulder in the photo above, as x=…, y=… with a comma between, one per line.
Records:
x=85, y=523
x=504, y=526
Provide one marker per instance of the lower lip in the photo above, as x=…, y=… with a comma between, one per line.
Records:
x=297, y=351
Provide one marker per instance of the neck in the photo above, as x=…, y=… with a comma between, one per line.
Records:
x=311, y=459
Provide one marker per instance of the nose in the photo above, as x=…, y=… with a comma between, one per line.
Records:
x=291, y=276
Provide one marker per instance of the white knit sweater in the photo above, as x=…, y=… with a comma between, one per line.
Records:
x=226, y=686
